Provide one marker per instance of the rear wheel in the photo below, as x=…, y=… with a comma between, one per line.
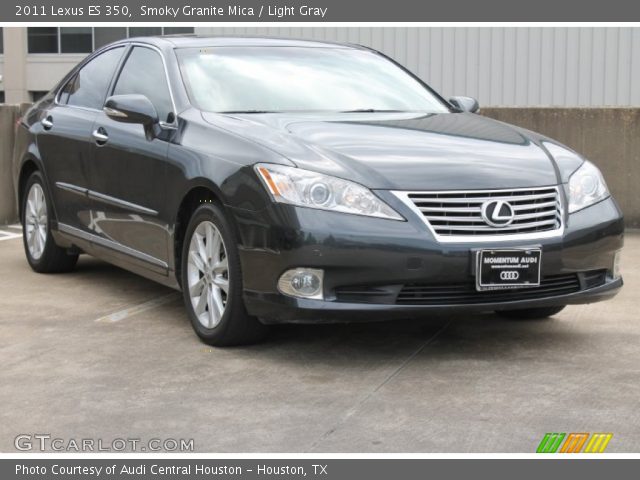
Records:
x=43, y=255
x=530, y=313
x=212, y=282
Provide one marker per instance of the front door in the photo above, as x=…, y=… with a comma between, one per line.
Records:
x=128, y=170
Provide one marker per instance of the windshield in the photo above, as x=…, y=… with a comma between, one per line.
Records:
x=277, y=79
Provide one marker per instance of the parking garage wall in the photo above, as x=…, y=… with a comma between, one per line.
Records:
x=8, y=116
x=610, y=137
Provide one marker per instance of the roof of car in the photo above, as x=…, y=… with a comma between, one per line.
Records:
x=186, y=41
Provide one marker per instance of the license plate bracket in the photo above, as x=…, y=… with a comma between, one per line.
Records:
x=505, y=268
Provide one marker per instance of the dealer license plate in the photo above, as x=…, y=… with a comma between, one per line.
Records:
x=508, y=268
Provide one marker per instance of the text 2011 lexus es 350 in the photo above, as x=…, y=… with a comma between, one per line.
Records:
x=275, y=180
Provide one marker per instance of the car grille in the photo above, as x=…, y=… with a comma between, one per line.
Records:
x=459, y=214
x=416, y=294
x=466, y=293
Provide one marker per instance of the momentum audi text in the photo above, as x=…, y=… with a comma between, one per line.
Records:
x=275, y=180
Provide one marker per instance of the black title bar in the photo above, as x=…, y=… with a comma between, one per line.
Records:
x=314, y=469
x=351, y=11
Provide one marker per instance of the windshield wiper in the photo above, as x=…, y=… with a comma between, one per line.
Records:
x=248, y=111
x=370, y=110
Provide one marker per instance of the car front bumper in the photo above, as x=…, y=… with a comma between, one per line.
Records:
x=370, y=264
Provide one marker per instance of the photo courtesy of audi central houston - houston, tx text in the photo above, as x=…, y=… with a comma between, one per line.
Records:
x=315, y=240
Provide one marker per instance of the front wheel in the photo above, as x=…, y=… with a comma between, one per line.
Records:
x=530, y=313
x=212, y=281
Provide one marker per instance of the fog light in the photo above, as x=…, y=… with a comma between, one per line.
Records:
x=302, y=282
x=616, y=264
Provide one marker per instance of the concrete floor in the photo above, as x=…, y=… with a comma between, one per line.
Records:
x=71, y=368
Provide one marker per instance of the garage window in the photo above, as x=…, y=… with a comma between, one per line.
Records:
x=76, y=40
x=42, y=39
x=87, y=39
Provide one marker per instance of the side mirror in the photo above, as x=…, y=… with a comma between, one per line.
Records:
x=465, y=104
x=134, y=108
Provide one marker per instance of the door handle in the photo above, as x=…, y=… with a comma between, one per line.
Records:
x=47, y=122
x=100, y=136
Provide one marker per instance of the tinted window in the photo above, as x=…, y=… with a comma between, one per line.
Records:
x=89, y=87
x=144, y=31
x=143, y=73
x=177, y=30
x=36, y=95
x=76, y=40
x=42, y=39
x=105, y=35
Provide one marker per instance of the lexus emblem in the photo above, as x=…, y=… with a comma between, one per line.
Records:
x=497, y=213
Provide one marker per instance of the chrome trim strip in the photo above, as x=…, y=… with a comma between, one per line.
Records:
x=539, y=215
x=513, y=226
x=478, y=190
x=101, y=197
x=104, y=242
x=403, y=196
x=72, y=188
x=514, y=198
x=112, y=112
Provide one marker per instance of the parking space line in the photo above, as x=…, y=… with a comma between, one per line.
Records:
x=143, y=307
x=9, y=235
x=15, y=226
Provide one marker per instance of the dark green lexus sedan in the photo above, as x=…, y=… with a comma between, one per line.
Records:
x=278, y=180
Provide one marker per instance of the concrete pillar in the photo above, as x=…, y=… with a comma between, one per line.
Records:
x=14, y=76
x=8, y=208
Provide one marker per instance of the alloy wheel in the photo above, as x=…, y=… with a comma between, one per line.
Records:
x=35, y=219
x=208, y=274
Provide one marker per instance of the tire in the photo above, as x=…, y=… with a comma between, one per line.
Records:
x=218, y=316
x=42, y=253
x=530, y=313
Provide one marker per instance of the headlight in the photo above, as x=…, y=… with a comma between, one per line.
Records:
x=315, y=190
x=586, y=187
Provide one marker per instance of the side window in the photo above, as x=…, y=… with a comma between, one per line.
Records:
x=143, y=73
x=89, y=86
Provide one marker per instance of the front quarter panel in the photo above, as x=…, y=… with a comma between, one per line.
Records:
x=203, y=155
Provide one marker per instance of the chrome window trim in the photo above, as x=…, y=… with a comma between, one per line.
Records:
x=56, y=99
x=403, y=196
x=163, y=124
x=127, y=46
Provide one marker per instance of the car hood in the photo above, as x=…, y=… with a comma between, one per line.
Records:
x=402, y=151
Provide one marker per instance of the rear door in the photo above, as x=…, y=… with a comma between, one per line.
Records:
x=128, y=171
x=65, y=141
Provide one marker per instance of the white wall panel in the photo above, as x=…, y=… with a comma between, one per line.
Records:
x=546, y=66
